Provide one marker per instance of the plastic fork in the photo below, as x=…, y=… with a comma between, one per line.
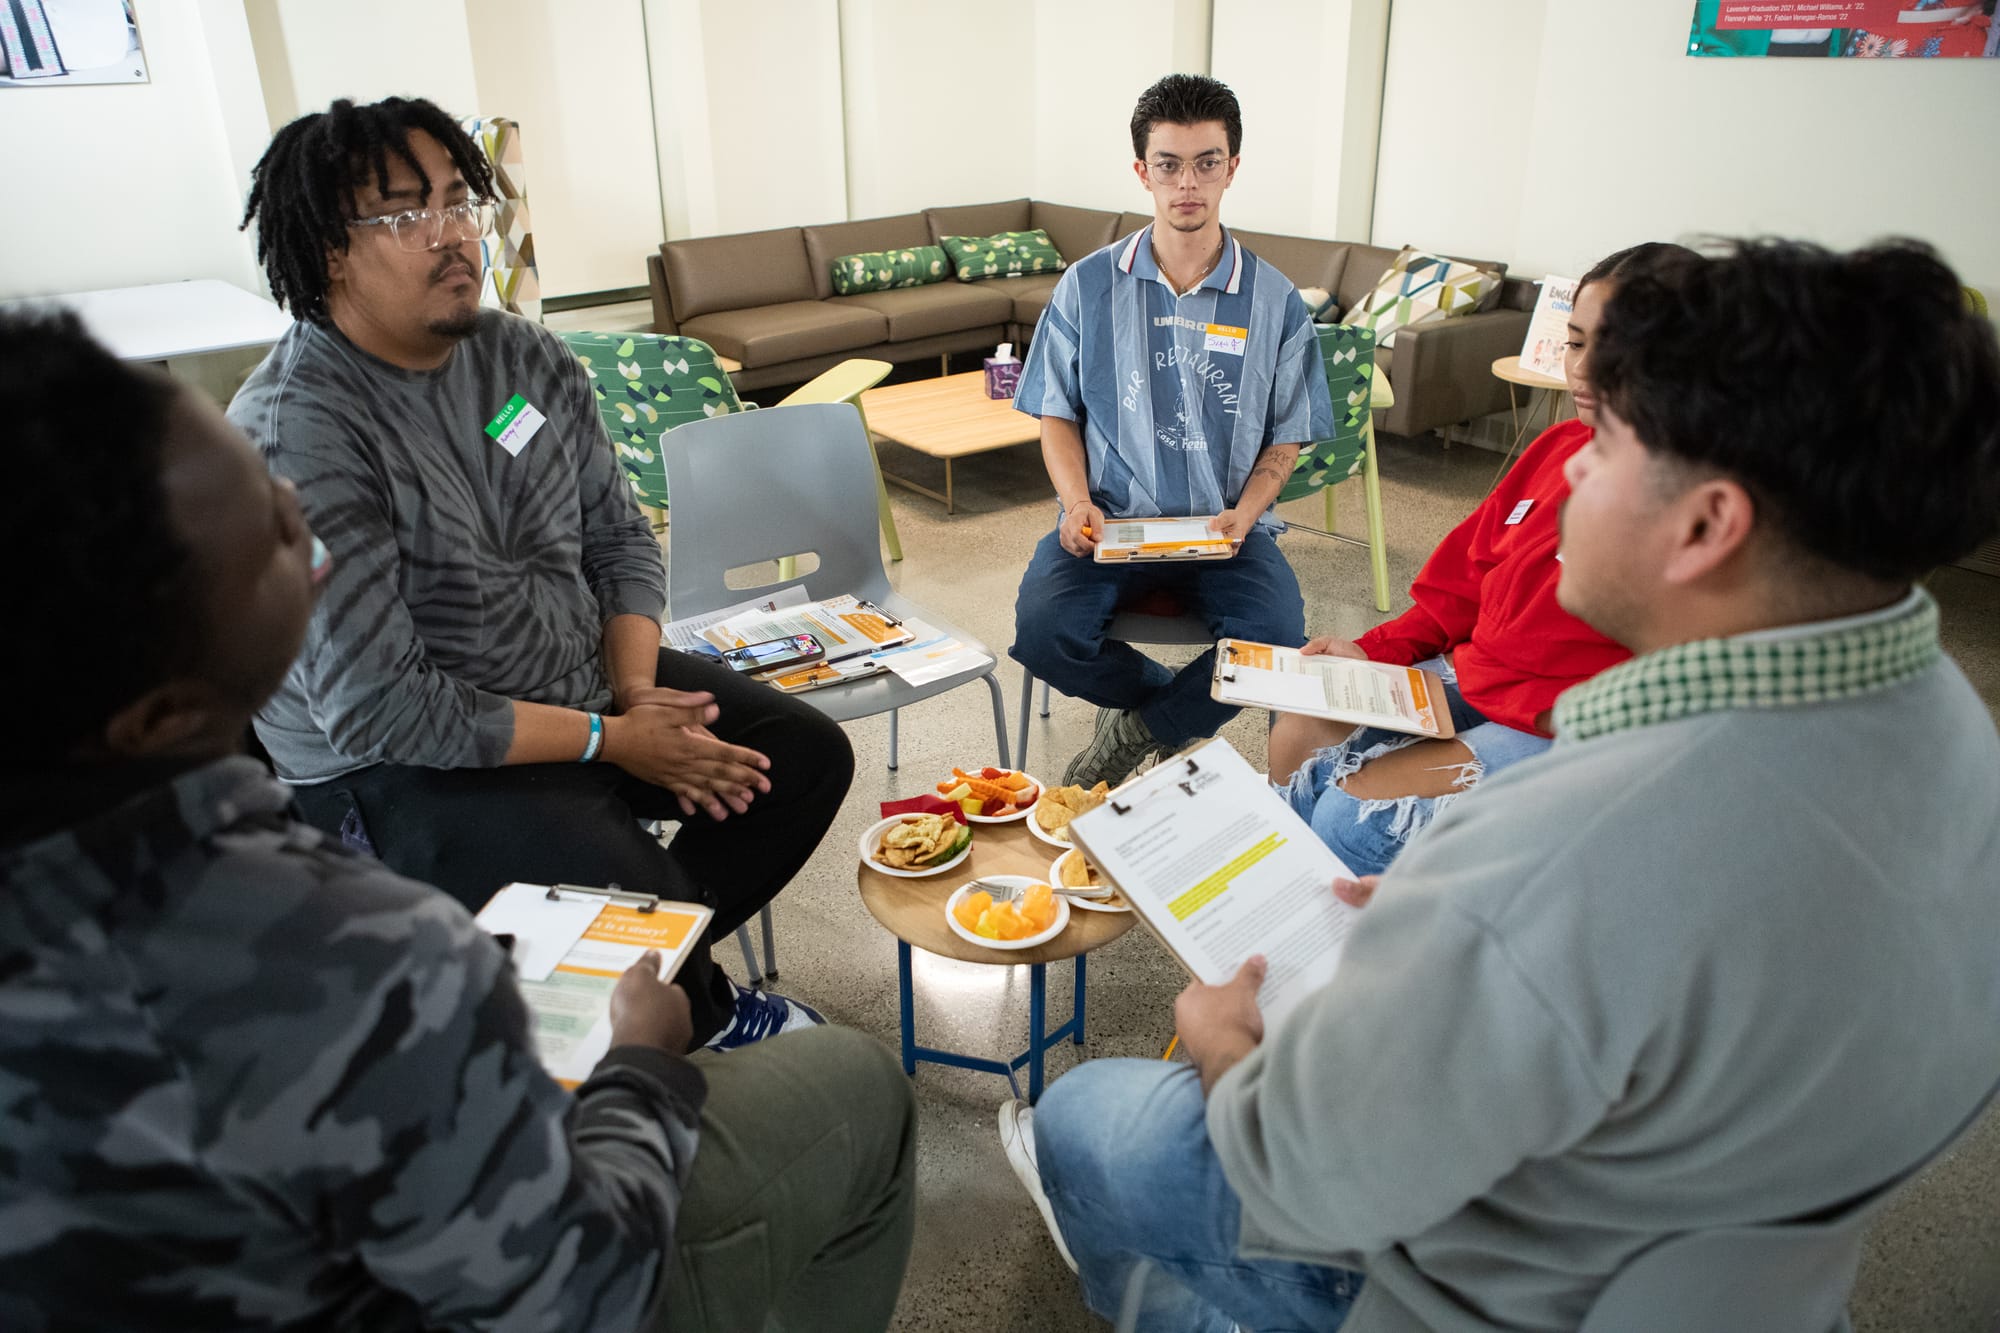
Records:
x=1007, y=893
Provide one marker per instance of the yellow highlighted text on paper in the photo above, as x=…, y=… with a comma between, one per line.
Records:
x=1208, y=890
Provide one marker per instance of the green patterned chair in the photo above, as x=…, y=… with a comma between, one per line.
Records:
x=646, y=384
x=1348, y=353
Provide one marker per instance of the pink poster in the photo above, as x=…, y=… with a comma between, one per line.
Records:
x=1852, y=29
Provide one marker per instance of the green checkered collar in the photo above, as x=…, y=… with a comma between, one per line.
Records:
x=1835, y=659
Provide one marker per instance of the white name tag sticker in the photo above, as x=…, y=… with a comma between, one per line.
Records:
x=516, y=425
x=1225, y=338
x=1520, y=512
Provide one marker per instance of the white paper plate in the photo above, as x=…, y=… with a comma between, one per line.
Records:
x=1087, y=904
x=1029, y=942
x=871, y=843
x=1018, y=814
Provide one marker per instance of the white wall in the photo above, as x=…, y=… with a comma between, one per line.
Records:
x=1457, y=105
x=1569, y=128
x=747, y=101
x=1310, y=108
x=123, y=184
x=574, y=78
x=366, y=50
x=937, y=104
x=1094, y=59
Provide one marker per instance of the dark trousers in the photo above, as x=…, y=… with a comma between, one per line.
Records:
x=470, y=830
x=1066, y=602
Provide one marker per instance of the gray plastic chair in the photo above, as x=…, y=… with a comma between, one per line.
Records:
x=757, y=486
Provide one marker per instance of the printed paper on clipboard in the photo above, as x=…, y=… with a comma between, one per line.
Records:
x=1341, y=689
x=1220, y=868
x=569, y=1002
x=1125, y=539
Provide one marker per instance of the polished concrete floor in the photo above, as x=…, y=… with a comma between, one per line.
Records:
x=982, y=1260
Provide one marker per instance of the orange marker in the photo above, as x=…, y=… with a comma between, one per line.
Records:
x=1086, y=530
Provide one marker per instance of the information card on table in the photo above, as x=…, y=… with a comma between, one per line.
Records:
x=1221, y=868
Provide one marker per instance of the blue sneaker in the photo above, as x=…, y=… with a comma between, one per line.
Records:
x=760, y=1014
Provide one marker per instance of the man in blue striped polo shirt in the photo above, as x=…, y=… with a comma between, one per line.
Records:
x=1175, y=375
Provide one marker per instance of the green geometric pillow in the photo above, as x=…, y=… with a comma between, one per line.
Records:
x=1420, y=288
x=1004, y=254
x=882, y=270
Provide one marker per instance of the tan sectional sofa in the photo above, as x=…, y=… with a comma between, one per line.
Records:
x=766, y=299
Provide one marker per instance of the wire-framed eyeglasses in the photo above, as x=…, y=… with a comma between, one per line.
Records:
x=416, y=229
x=1208, y=168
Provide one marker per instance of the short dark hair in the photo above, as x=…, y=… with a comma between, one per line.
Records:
x=1620, y=264
x=1186, y=99
x=1855, y=396
x=97, y=597
x=302, y=189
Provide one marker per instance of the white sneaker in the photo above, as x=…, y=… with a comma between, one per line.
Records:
x=1017, y=1136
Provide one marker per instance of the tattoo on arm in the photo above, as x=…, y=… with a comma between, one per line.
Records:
x=1267, y=470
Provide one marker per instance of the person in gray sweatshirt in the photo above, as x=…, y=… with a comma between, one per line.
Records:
x=482, y=696
x=1721, y=958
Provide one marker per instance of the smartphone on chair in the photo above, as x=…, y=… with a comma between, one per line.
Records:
x=776, y=654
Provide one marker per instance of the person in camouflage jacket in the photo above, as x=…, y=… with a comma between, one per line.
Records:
x=249, y=1079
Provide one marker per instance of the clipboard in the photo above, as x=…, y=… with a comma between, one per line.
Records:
x=1129, y=540
x=1340, y=689
x=1218, y=867
x=569, y=1001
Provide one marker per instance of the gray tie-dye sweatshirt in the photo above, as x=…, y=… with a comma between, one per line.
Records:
x=251, y=1080
x=465, y=575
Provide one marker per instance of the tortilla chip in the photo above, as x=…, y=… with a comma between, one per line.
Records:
x=1059, y=805
x=1078, y=873
x=916, y=839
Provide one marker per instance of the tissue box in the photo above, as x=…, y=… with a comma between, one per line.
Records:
x=1002, y=376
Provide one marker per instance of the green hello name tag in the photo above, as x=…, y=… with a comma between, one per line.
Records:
x=516, y=425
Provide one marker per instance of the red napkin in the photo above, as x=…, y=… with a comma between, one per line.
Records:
x=924, y=805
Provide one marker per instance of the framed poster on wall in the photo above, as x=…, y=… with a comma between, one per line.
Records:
x=1845, y=29
x=58, y=43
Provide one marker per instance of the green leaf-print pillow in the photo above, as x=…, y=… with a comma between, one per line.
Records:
x=882, y=270
x=1006, y=254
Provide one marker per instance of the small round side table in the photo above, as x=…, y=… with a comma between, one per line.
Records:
x=1545, y=396
x=913, y=911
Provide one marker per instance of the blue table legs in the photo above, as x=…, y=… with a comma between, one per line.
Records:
x=1039, y=1039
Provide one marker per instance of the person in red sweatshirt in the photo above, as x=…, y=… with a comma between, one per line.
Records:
x=1486, y=620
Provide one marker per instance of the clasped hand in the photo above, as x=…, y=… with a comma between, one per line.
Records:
x=662, y=737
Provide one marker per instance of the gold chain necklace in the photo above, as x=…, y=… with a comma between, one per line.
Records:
x=1206, y=269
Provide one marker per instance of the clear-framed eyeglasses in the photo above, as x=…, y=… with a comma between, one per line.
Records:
x=416, y=229
x=1208, y=168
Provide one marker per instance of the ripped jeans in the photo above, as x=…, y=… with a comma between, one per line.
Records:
x=1369, y=834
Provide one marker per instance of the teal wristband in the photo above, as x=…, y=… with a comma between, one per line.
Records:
x=596, y=739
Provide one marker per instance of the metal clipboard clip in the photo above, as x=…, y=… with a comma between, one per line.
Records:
x=639, y=902
x=1123, y=808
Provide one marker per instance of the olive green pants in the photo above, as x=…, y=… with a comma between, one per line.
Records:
x=802, y=1203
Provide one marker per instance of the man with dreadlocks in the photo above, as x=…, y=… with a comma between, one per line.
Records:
x=482, y=696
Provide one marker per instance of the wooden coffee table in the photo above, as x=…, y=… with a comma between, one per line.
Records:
x=913, y=911
x=948, y=418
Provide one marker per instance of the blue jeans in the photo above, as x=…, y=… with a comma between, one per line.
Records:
x=1125, y=1158
x=1067, y=601
x=1368, y=835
